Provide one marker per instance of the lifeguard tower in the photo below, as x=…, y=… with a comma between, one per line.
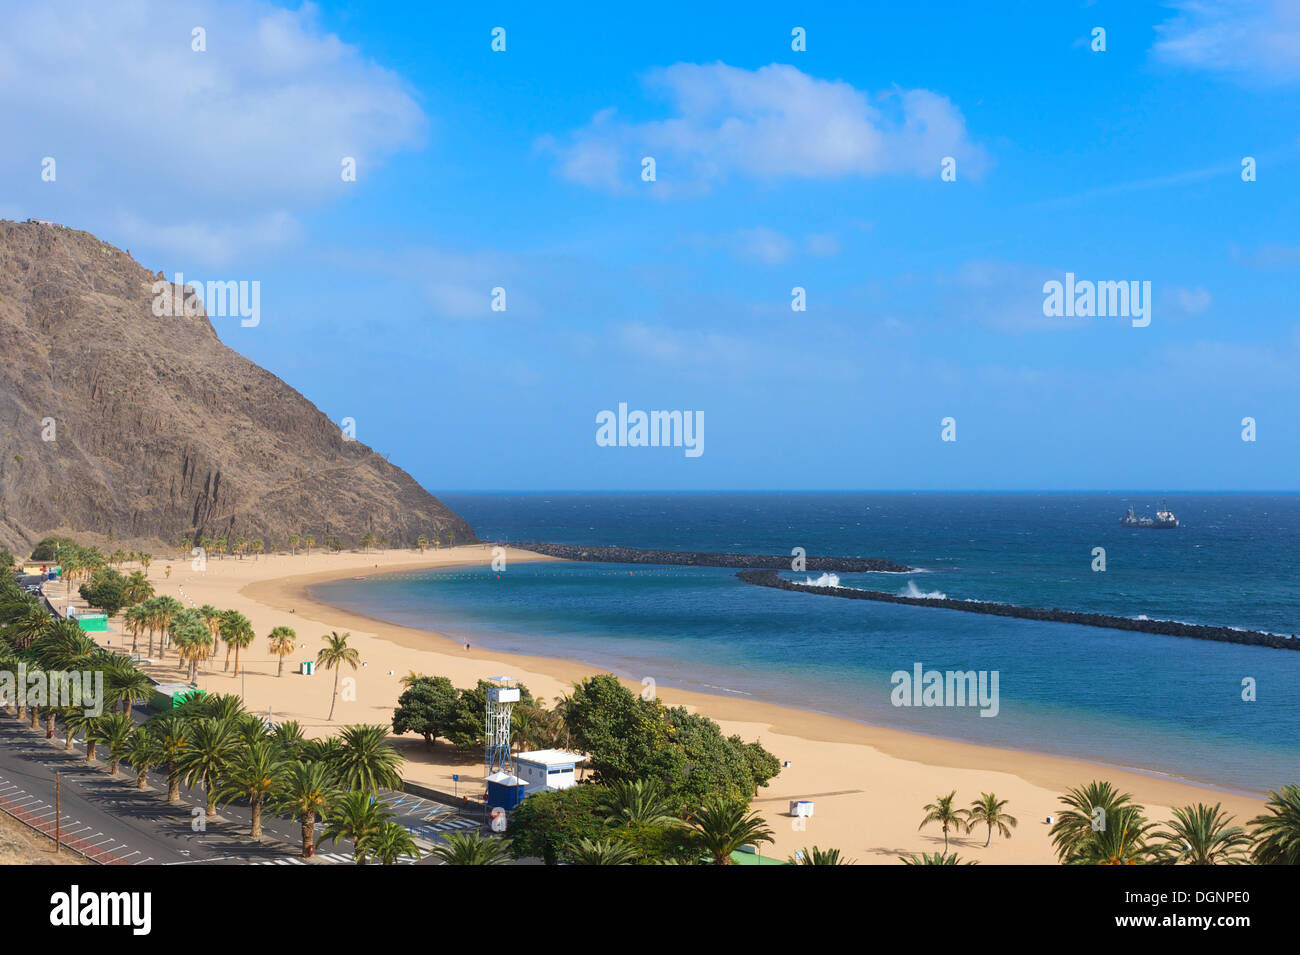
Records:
x=504, y=788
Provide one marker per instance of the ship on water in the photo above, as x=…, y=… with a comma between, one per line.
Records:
x=1164, y=518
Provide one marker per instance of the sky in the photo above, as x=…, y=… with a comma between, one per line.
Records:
x=821, y=169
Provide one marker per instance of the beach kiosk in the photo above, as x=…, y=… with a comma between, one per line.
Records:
x=547, y=769
x=95, y=621
x=168, y=696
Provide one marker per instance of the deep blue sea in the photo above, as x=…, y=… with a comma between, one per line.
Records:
x=1164, y=704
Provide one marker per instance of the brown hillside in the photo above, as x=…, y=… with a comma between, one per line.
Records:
x=161, y=430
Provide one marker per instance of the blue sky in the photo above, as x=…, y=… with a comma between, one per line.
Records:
x=775, y=169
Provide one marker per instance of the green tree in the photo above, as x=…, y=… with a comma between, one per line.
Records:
x=106, y=589
x=1277, y=830
x=143, y=754
x=358, y=817
x=603, y=852
x=237, y=632
x=254, y=775
x=393, y=842
x=281, y=642
x=724, y=825
x=334, y=657
x=641, y=802
x=464, y=848
x=172, y=731
x=1123, y=839
x=1086, y=809
x=366, y=761
x=1203, y=835
x=819, y=856
x=427, y=707
x=550, y=822
x=212, y=750
x=988, y=811
x=942, y=812
x=935, y=858
x=308, y=793
x=114, y=732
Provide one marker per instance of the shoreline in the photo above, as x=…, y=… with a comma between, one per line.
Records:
x=869, y=782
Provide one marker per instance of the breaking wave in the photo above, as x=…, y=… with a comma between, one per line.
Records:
x=915, y=591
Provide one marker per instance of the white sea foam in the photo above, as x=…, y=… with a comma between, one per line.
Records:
x=915, y=591
x=825, y=580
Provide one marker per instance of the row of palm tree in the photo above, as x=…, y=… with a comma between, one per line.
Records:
x=1104, y=826
x=1100, y=825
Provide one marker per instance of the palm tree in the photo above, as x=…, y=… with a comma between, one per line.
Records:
x=237, y=631
x=281, y=643
x=255, y=775
x=165, y=608
x=256, y=547
x=114, y=731
x=143, y=754
x=80, y=723
x=293, y=545
x=212, y=620
x=1201, y=835
x=603, y=852
x=145, y=561
x=642, y=802
x=308, y=542
x=1277, y=831
x=333, y=657
x=125, y=684
x=172, y=733
x=134, y=620
x=193, y=641
x=422, y=542
x=366, y=761
x=138, y=588
x=464, y=848
x=1125, y=839
x=213, y=748
x=818, y=856
x=942, y=812
x=392, y=842
x=31, y=626
x=988, y=810
x=357, y=816
x=307, y=793
x=289, y=737
x=935, y=858
x=1088, y=807
x=724, y=825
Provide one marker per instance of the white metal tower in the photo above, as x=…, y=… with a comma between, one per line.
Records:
x=501, y=701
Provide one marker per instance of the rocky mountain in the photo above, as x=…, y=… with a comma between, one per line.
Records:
x=122, y=424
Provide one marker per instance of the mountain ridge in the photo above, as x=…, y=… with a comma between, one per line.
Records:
x=118, y=422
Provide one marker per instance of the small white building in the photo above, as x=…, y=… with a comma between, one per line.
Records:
x=547, y=769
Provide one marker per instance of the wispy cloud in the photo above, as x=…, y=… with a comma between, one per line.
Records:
x=775, y=122
x=1254, y=40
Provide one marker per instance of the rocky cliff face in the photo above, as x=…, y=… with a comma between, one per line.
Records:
x=159, y=430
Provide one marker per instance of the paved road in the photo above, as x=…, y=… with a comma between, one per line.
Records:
x=120, y=824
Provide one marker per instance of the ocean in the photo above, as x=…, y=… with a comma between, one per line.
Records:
x=1162, y=704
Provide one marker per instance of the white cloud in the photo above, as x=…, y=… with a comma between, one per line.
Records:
x=775, y=122
x=145, y=129
x=212, y=243
x=1258, y=40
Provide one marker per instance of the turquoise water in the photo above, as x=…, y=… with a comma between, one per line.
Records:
x=1164, y=704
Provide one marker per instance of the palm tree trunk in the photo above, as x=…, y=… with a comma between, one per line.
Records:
x=49, y=725
x=236, y=660
x=67, y=743
x=945, y=840
x=142, y=779
x=256, y=829
x=280, y=669
x=227, y=666
x=173, y=789
x=36, y=716
x=308, y=833
x=90, y=750
x=334, y=698
x=990, y=838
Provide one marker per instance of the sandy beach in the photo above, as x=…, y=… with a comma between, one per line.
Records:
x=869, y=784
